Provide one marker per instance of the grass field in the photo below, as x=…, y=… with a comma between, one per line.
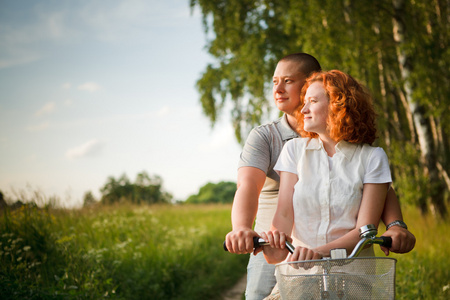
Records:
x=122, y=252
x=163, y=252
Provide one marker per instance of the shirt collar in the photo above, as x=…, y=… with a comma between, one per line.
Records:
x=286, y=131
x=346, y=148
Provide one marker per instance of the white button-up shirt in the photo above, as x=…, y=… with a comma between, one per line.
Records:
x=328, y=193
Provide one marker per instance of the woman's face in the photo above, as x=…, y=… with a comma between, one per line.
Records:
x=315, y=110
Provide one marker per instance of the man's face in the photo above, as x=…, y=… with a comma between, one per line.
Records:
x=287, y=84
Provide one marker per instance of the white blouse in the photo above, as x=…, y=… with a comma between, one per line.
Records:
x=328, y=193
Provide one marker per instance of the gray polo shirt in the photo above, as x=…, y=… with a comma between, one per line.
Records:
x=261, y=150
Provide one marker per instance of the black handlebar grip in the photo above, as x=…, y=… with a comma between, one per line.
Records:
x=387, y=241
x=255, y=243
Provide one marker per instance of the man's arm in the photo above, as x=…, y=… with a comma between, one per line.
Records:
x=250, y=182
x=403, y=240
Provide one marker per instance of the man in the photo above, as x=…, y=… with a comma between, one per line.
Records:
x=257, y=184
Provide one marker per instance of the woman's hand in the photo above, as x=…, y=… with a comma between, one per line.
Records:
x=277, y=250
x=303, y=253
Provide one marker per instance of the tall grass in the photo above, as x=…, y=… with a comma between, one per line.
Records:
x=424, y=273
x=164, y=252
x=122, y=252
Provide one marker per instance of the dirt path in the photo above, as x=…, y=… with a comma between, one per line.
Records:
x=237, y=292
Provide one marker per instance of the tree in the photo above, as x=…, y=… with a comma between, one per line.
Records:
x=222, y=192
x=89, y=199
x=3, y=203
x=146, y=189
x=399, y=49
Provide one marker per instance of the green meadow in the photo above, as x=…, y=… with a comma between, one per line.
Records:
x=163, y=252
x=120, y=252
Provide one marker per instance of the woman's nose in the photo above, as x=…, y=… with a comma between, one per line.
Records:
x=305, y=109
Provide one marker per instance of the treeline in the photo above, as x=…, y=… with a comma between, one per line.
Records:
x=222, y=192
x=149, y=190
x=145, y=189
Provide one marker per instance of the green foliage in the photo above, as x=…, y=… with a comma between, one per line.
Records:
x=247, y=38
x=222, y=192
x=146, y=189
x=119, y=252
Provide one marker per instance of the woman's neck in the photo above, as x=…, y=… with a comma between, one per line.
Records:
x=329, y=144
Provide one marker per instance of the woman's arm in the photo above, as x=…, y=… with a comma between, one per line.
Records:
x=283, y=220
x=372, y=205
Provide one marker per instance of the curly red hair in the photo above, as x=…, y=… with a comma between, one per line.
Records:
x=351, y=115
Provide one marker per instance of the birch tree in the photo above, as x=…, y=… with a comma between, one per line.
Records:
x=399, y=49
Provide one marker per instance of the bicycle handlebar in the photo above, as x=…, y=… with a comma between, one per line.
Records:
x=259, y=242
x=385, y=241
x=367, y=233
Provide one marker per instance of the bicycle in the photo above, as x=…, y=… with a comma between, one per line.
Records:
x=339, y=276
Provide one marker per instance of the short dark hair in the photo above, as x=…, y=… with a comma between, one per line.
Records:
x=307, y=63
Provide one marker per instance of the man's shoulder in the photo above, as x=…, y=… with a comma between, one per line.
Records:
x=269, y=128
x=274, y=123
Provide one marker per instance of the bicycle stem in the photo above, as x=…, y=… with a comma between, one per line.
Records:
x=368, y=235
x=363, y=242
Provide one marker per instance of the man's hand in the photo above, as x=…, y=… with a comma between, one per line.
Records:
x=240, y=241
x=403, y=241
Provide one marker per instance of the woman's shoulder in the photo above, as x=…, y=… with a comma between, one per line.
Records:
x=373, y=150
x=300, y=142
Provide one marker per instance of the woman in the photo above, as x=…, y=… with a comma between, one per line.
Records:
x=331, y=180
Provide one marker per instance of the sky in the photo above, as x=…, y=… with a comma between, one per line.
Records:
x=93, y=89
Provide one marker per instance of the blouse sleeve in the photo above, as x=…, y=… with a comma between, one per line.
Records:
x=287, y=161
x=378, y=170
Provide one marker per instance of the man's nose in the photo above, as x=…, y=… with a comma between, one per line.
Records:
x=279, y=88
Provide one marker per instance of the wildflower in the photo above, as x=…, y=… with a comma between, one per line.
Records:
x=17, y=240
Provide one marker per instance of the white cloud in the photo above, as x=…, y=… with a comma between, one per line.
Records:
x=66, y=85
x=38, y=127
x=164, y=111
x=90, y=148
x=89, y=86
x=222, y=137
x=48, y=108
